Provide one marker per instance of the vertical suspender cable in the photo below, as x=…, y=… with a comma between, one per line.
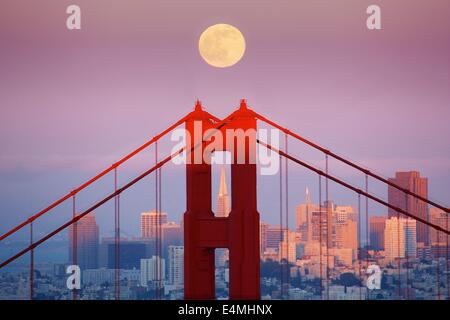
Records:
x=286, y=188
x=31, y=263
x=116, y=241
x=359, y=246
x=406, y=231
x=74, y=242
x=446, y=259
x=438, y=267
x=367, y=223
x=160, y=276
x=157, y=217
x=328, y=227
x=399, y=264
x=320, y=235
x=281, y=228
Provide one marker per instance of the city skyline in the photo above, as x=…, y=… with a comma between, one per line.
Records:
x=300, y=79
x=332, y=118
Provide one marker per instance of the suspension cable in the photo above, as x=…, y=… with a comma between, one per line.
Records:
x=359, y=246
x=399, y=259
x=75, y=219
x=329, y=222
x=286, y=188
x=157, y=218
x=367, y=222
x=438, y=267
x=281, y=228
x=406, y=231
x=347, y=162
x=116, y=241
x=350, y=187
x=97, y=177
x=31, y=264
x=320, y=235
x=74, y=242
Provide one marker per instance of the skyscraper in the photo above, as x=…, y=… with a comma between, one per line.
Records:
x=394, y=239
x=223, y=201
x=410, y=227
x=176, y=265
x=438, y=217
x=377, y=225
x=400, y=238
x=87, y=242
x=303, y=217
x=172, y=235
x=262, y=237
x=223, y=210
x=346, y=236
x=412, y=181
x=151, y=271
x=150, y=221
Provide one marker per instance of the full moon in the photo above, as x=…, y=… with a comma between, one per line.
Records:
x=221, y=45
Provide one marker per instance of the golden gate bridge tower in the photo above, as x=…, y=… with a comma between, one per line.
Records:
x=239, y=232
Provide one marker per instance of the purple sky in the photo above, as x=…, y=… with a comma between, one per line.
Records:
x=72, y=102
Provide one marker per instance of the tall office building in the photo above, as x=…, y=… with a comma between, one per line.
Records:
x=440, y=218
x=131, y=252
x=176, y=265
x=400, y=239
x=394, y=239
x=262, y=237
x=410, y=227
x=150, y=221
x=287, y=248
x=346, y=236
x=172, y=235
x=222, y=210
x=377, y=224
x=412, y=181
x=274, y=235
x=303, y=217
x=344, y=213
x=152, y=270
x=87, y=235
x=223, y=200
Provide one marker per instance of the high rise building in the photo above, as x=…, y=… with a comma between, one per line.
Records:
x=319, y=224
x=287, y=247
x=223, y=200
x=346, y=236
x=152, y=270
x=394, y=239
x=131, y=252
x=223, y=210
x=440, y=218
x=377, y=224
x=274, y=235
x=87, y=240
x=172, y=235
x=400, y=238
x=344, y=213
x=412, y=181
x=262, y=237
x=176, y=265
x=150, y=222
x=410, y=227
x=303, y=217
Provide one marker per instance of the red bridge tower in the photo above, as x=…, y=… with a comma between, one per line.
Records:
x=239, y=232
